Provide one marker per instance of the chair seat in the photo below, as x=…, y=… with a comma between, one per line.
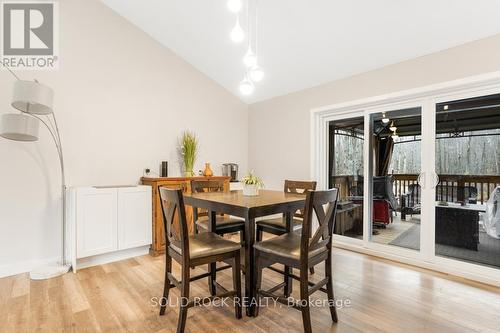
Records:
x=286, y=245
x=221, y=222
x=279, y=223
x=208, y=244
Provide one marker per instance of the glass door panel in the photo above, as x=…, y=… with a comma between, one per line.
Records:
x=345, y=172
x=396, y=167
x=467, y=184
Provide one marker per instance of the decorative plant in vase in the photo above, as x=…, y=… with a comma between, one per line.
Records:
x=251, y=184
x=188, y=148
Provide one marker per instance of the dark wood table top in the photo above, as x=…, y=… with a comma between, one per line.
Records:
x=234, y=202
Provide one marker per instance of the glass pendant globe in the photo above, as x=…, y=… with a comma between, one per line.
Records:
x=393, y=127
x=250, y=58
x=246, y=87
x=237, y=34
x=234, y=5
x=256, y=74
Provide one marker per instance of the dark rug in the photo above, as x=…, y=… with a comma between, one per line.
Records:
x=488, y=252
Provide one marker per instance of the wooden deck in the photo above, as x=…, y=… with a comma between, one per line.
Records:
x=385, y=297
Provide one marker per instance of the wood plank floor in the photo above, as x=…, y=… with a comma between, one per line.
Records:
x=384, y=296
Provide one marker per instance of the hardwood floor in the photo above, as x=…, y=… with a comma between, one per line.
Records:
x=384, y=296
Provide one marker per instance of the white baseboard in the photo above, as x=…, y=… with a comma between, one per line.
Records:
x=110, y=257
x=29, y=265
x=24, y=266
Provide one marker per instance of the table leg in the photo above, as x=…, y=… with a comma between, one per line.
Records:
x=288, y=270
x=249, y=266
x=212, y=268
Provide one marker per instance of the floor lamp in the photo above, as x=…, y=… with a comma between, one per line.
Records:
x=34, y=100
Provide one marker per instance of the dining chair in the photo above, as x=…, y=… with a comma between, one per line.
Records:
x=191, y=251
x=302, y=252
x=276, y=226
x=224, y=224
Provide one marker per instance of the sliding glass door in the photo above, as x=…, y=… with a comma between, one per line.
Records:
x=346, y=138
x=418, y=175
x=395, y=168
x=467, y=180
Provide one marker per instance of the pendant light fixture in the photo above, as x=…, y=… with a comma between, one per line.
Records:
x=385, y=120
x=250, y=58
x=256, y=73
x=246, y=86
x=253, y=72
x=393, y=127
x=234, y=5
x=237, y=34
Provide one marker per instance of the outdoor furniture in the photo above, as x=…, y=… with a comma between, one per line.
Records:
x=192, y=251
x=410, y=201
x=349, y=218
x=458, y=225
x=301, y=251
x=384, y=201
x=224, y=224
x=249, y=207
x=276, y=226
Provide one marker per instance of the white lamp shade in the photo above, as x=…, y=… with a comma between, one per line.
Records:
x=32, y=97
x=19, y=127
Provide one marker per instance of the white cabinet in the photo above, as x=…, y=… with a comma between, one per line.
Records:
x=134, y=217
x=105, y=220
x=96, y=221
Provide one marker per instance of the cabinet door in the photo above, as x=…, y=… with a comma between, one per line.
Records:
x=96, y=221
x=134, y=217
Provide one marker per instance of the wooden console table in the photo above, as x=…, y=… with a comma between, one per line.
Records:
x=158, y=244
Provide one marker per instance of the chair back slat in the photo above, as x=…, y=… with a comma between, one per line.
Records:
x=299, y=187
x=322, y=205
x=203, y=186
x=172, y=203
x=199, y=186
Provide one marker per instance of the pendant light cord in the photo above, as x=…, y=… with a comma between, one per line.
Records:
x=249, y=26
x=256, y=23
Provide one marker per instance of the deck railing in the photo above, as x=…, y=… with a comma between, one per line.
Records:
x=483, y=183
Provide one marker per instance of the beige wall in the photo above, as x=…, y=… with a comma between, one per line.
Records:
x=279, y=129
x=122, y=99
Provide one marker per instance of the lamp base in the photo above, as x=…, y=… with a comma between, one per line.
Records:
x=49, y=271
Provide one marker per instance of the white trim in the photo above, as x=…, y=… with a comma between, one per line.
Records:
x=480, y=82
x=427, y=97
x=110, y=257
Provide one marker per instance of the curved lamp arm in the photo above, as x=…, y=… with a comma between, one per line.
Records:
x=54, y=133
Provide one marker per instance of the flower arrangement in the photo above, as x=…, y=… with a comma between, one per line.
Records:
x=188, y=148
x=251, y=184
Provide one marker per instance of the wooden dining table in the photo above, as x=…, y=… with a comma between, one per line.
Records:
x=249, y=208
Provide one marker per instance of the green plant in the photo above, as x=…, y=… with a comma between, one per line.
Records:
x=252, y=179
x=188, y=148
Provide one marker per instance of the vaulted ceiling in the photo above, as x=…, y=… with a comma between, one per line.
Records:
x=305, y=43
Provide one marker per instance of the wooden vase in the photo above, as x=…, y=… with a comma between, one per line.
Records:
x=208, y=171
